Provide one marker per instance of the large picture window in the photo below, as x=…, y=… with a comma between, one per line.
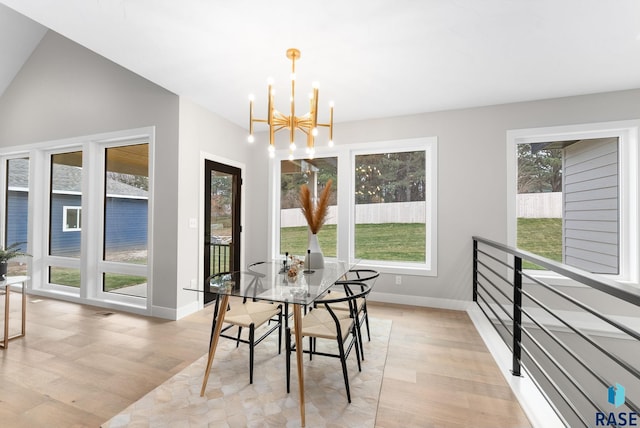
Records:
x=315, y=173
x=389, y=203
x=382, y=212
x=575, y=195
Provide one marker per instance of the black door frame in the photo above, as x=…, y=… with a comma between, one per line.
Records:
x=234, y=248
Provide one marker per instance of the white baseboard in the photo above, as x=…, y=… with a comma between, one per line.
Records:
x=535, y=406
x=429, y=302
x=188, y=309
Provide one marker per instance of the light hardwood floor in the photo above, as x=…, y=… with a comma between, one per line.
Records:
x=80, y=365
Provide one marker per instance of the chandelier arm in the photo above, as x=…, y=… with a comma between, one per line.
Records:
x=292, y=117
x=250, y=116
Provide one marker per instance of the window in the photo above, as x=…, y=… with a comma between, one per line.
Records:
x=125, y=225
x=65, y=192
x=576, y=196
x=88, y=226
x=384, y=212
x=390, y=210
x=315, y=173
x=71, y=218
x=16, y=213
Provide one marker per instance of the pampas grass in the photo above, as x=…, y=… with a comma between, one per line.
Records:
x=316, y=215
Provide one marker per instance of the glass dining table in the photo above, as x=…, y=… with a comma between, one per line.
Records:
x=276, y=281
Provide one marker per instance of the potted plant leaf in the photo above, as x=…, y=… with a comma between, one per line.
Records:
x=8, y=253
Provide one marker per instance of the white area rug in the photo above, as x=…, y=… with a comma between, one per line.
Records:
x=230, y=401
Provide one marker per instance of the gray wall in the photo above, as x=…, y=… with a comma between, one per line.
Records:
x=65, y=90
x=472, y=177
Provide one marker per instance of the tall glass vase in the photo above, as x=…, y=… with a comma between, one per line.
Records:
x=314, y=258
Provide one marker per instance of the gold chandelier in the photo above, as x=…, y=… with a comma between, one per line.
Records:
x=307, y=123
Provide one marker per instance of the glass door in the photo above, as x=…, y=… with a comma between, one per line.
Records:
x=221, y=220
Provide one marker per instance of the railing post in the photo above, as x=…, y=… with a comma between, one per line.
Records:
x=475, y=270
x=517, y=314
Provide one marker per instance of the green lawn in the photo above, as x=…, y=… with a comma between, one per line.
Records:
x=71, y=277
x=541, y=236
x=388, y=241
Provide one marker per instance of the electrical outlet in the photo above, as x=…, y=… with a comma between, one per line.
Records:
x=398, y=280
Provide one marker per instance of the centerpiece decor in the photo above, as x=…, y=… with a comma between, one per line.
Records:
x=316, y=215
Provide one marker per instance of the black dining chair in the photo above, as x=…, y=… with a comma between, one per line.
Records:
x=250, y=314
x=368, y=277
x=324, y=322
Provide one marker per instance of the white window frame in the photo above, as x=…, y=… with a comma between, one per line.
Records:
x=346, y=196
x=100, y=197
x=90, y=292
x=628, y=134
x=65, y=223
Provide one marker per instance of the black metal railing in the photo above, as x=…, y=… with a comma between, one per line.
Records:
x=575, y=334
x=219, y=258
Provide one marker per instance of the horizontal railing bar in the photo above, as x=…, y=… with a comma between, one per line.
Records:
x=587, y=308
x=603, y=381
x=500, y=305
x=560, y=368
x=505, y=295
x=605, y=285
x=498, y=318
x=593, y=343
x=558, y=391
x=506, y=280
x=502, y=262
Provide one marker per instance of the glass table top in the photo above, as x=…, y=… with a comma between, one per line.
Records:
x=273, y=282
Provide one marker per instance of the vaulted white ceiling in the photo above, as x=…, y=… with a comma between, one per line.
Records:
x=374, y=58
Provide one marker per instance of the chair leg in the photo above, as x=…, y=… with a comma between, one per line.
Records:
x=358, y=346
x=238, y=339
x=287, y=345
x=345, y=374
x=252, y=332
x=280, y=331
x=366, y=319
x=358, y=333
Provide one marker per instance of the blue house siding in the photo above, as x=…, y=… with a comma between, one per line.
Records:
x=63, y=243
x=17, y=217
x=126, y=223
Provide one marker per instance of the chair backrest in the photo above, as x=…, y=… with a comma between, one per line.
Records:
x=353, y=291
x=368, y=276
